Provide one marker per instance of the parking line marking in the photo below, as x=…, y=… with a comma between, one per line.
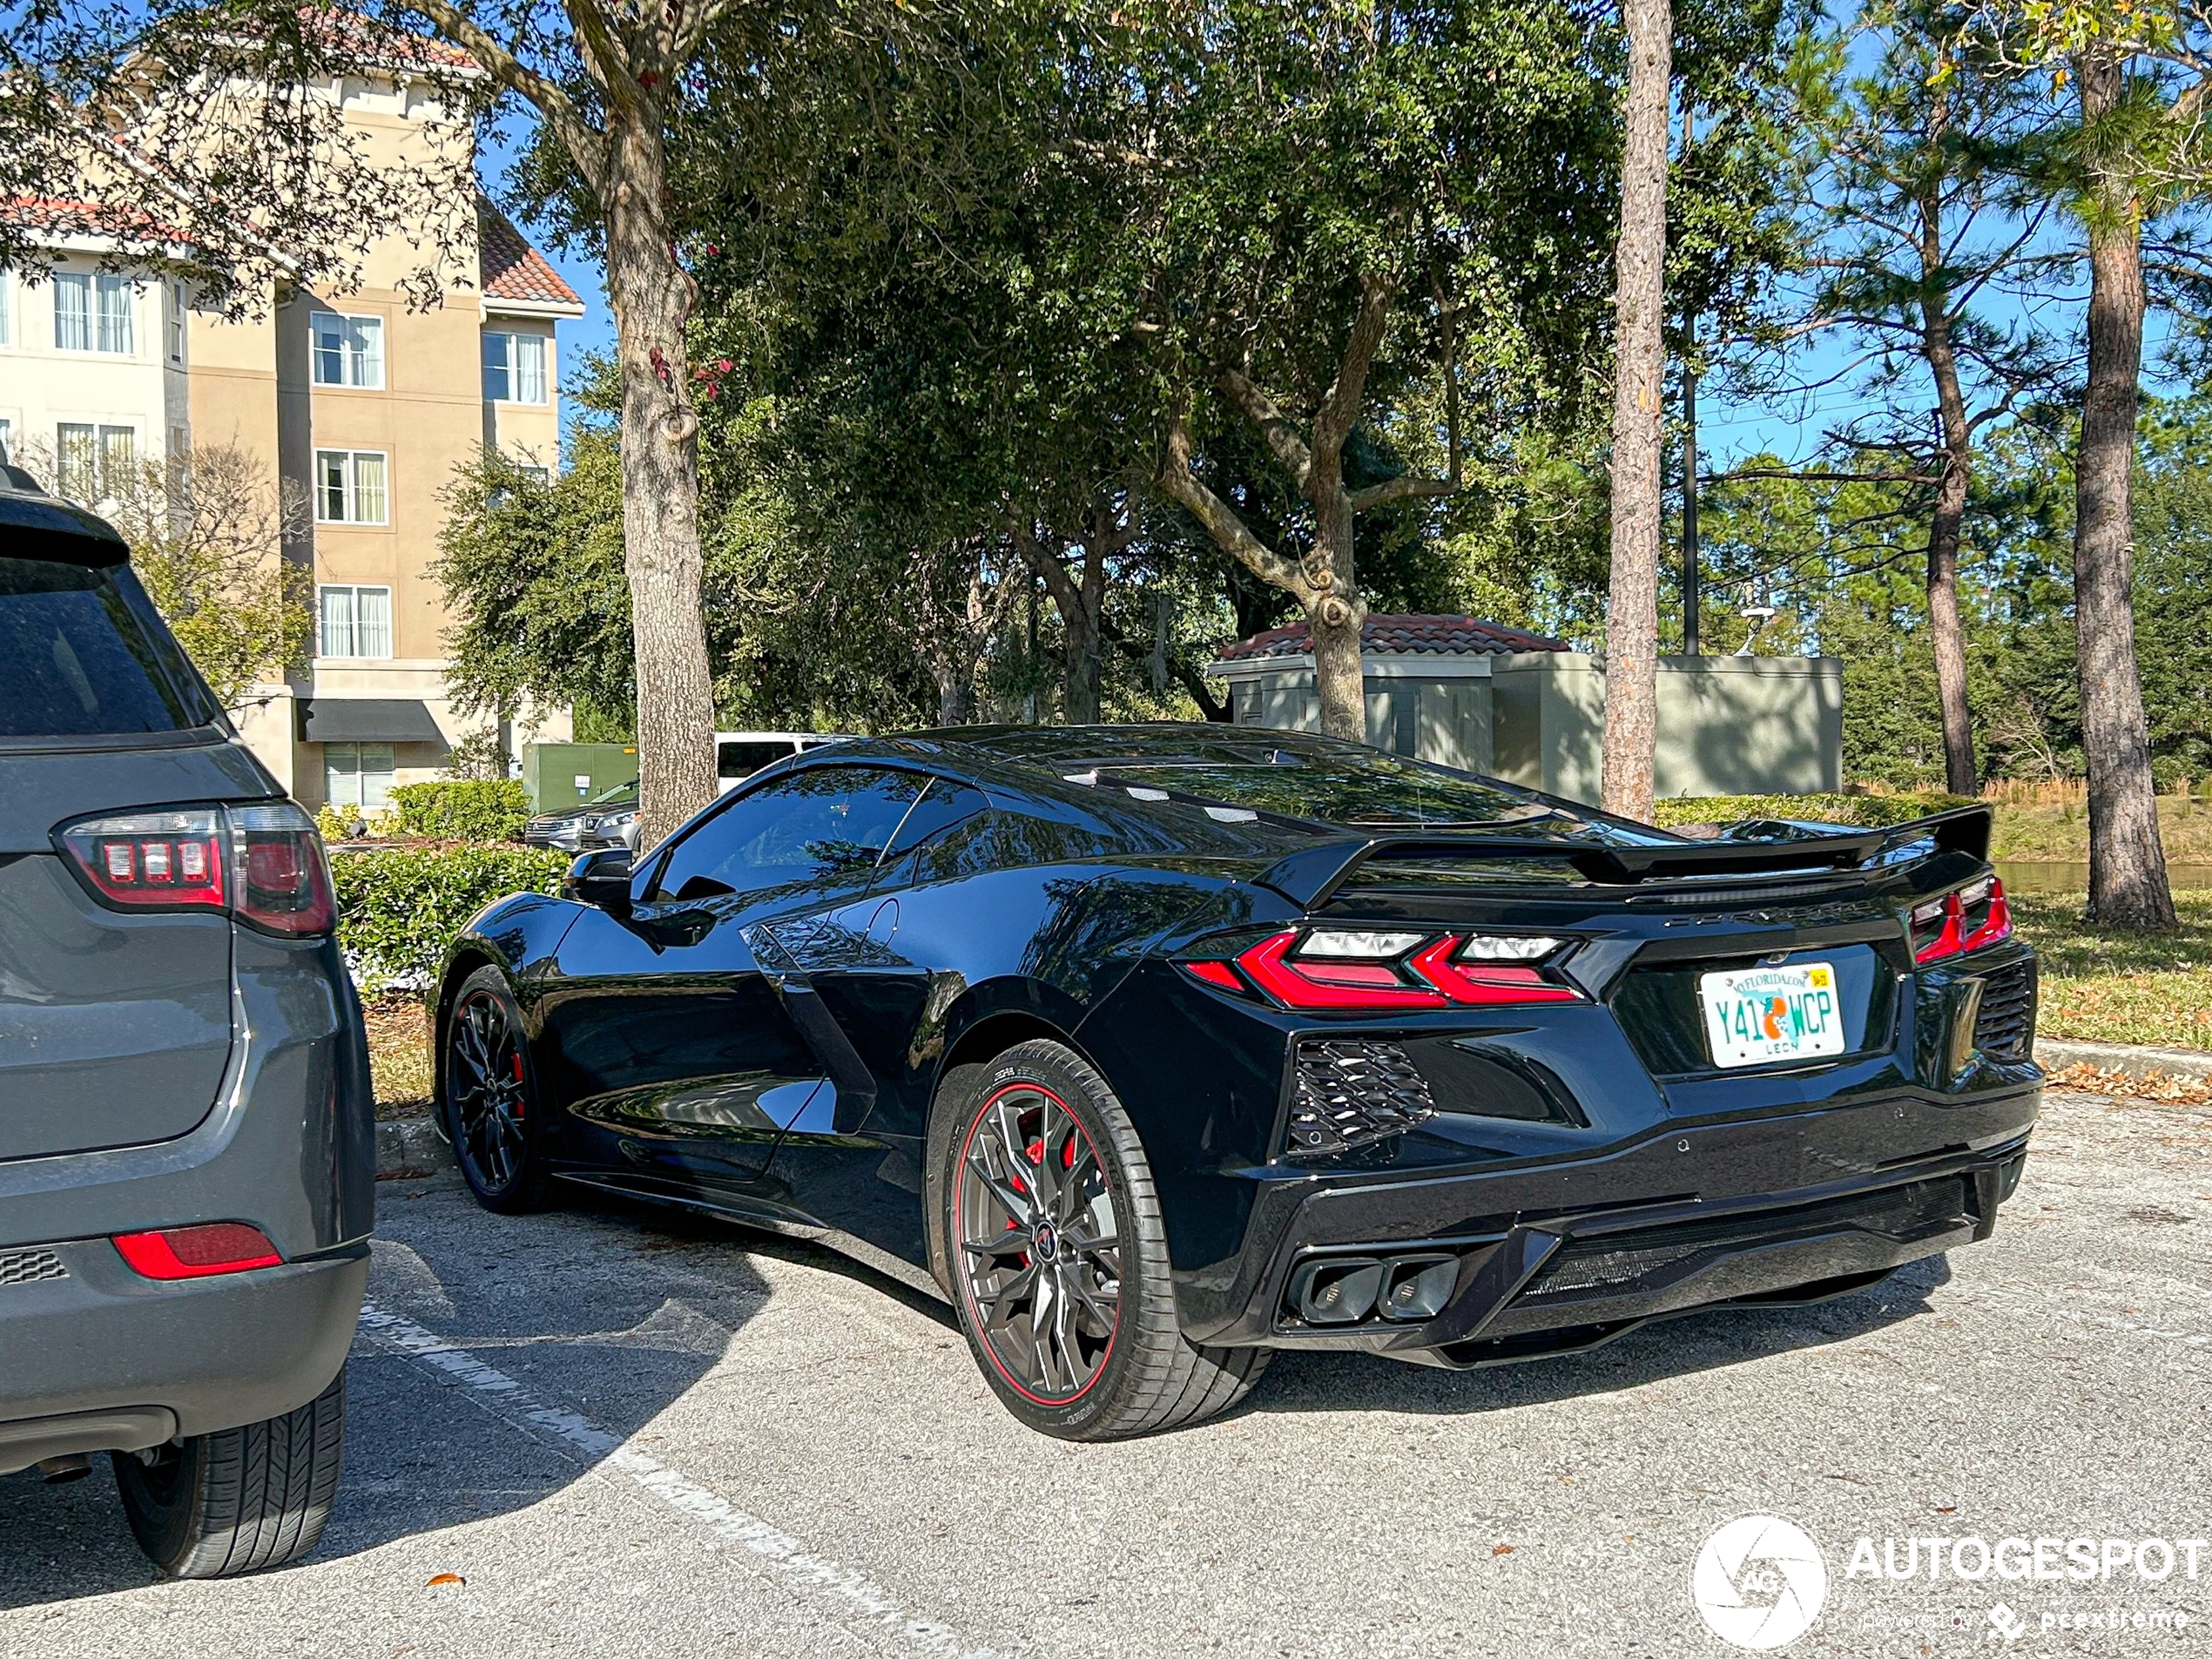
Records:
x=787, y=1557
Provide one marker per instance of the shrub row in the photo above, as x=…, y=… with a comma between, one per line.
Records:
x=459, y=810
x=400, y=907
x=1861, y=811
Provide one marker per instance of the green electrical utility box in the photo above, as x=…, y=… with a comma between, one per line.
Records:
x=567, y=774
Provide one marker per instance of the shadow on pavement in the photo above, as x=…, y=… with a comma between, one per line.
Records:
x=604, y=1309
x=1654, y=1352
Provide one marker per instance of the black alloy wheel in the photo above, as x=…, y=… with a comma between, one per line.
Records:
x=1046, y=1232
x=1040, y=1257
x=488, y=1097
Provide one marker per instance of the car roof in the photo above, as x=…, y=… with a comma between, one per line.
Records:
x=1273, y=788
x=39, y=526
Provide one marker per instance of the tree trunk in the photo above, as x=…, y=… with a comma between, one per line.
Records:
x=1084, y=691
x=1337, y=618
x=1639, y=280
x=2126, y=862
x=652, y=298
x=1944, y=628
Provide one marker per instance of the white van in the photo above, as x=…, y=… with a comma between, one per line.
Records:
x=737, y=755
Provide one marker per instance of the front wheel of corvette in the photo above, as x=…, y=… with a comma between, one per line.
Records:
x=1057, y=1259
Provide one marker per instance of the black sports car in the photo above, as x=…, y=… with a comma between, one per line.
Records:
x=1154, y=1049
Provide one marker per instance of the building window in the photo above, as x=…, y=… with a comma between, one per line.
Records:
x=7, y=439
x=349, y=351
x=357, y=774
x=176, y=322
x=357, y=621
x=93, y=312
x=92, y=463
x=7, y=311
x=179, y=443
x=349, y=487
x=515, y=368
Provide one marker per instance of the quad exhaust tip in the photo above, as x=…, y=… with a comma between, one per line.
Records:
x=1344, y=1290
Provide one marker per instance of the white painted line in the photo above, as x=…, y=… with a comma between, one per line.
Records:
x=848, y=1592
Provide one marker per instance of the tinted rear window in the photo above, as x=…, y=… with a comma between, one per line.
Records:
x=742, y=759
x=1363, y=788
x=87, y=656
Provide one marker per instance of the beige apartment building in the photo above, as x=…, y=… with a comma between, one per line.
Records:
x=364, y=406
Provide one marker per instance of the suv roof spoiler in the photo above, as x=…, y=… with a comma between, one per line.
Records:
x=35, y=525
x=1314, y=874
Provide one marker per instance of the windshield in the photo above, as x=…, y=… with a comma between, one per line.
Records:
x=621, y=794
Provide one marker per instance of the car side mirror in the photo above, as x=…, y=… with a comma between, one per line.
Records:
x=601, y=878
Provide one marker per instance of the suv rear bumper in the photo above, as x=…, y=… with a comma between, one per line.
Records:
x=94, y=1358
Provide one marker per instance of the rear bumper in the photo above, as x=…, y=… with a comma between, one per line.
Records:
x=1562, y=1255
x=94, y=1358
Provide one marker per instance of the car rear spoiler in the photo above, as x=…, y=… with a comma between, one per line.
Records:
x=1314, y=874
x=35, y=525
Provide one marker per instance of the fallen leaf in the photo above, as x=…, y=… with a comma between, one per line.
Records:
x=1946, y=1509
x=1502, y=1549
x=447, y=1578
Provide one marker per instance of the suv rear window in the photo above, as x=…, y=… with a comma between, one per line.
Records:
x=88, y=656
x=742, y=759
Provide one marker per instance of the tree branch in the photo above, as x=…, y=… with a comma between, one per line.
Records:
x=553, y=104
x=1339, y=410
x=1219, y=520
x=1267, y=415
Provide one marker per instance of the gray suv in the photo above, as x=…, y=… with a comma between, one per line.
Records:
x=186, y=1143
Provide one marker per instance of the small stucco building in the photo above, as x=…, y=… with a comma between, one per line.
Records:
x=1517, y=705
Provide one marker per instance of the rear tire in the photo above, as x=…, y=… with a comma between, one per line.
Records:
x=241, y=1499
x=1099, y=1380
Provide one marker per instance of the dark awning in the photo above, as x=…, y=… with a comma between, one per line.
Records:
x=367, y=719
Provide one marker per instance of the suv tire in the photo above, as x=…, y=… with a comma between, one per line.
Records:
x=241, y=1499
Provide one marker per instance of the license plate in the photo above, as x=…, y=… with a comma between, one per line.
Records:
x=1755, y=1016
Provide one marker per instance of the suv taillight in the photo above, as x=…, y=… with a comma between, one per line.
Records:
x=261, y=863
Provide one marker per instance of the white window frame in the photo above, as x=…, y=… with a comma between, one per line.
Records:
x=359, y=353
x=350, y=490
x=95, y=486
x=509, y=368
x=356, y=628
x=334, y=754
x=174, y=321
x=7, y=306
x=109, y=329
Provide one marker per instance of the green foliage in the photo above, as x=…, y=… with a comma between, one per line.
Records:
x=1864, y=811
x=400, y=907
x=475, y=809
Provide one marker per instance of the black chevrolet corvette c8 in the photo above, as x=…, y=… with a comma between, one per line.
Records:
x=1156, y=1048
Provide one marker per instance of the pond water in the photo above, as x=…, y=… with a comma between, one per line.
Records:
x=2068, y=875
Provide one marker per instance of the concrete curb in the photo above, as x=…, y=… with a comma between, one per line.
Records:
x=409, y=1148
x=2137, y=1061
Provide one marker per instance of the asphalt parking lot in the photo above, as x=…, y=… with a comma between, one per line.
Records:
x=622, y=1431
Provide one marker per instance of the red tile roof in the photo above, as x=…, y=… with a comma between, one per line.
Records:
x=509, y=268
x=71, y=216
x=1440, y=635
x=377, y=43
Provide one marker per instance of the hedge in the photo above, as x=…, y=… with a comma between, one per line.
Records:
x=400, y=907
x=1862, y=811
x=459, y=810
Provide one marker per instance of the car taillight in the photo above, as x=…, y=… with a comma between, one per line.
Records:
x=200, y=1251
x=1976, y=914
x=1340, y=970
x=261, y=863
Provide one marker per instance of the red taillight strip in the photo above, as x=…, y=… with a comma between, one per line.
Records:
x=1291, y=987
x=1953, y=939
x=1487, y=984
x=200, y=1251
x=1336, y=984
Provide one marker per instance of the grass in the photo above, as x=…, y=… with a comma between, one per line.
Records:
x=2118, y=984
x=2060, y=830
x=398, y=1055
